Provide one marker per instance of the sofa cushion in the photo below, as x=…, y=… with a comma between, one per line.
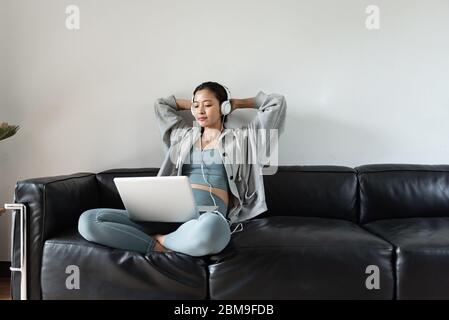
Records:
x=422, y=255
x=107, y=273
x=299, y=191
x=301, y=258
x=392, y=191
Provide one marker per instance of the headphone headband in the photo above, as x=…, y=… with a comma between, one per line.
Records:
x=228, y=93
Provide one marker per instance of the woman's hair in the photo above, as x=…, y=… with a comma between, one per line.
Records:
x=218, y=90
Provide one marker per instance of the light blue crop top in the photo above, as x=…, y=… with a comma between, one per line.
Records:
x=213, y=168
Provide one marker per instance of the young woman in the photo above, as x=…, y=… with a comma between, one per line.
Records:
x=203, y=152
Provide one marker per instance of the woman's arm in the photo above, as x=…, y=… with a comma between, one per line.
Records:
x=168, y=117
x=183, y=104
x=243, y=103
x=271, y=110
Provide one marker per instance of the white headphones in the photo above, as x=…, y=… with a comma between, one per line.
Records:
x=225, y=106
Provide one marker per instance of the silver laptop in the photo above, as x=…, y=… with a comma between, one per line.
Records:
x=159, y=199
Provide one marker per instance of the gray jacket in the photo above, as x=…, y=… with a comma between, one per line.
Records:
x=245, y=177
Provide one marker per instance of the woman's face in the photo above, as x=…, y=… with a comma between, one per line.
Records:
x=206, y=109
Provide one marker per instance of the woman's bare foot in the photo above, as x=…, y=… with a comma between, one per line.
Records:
x=158, y=246
x=159, y=237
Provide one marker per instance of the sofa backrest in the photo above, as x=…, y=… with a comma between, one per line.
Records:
x=389, y=191
x=312, y=191
x=304, y=191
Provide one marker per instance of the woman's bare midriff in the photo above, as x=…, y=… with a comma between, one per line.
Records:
x=223, y=194
x=219, y=192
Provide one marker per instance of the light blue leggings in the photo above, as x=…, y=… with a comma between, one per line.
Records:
x=209, y=234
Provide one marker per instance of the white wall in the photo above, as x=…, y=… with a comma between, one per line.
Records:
x=84, y=99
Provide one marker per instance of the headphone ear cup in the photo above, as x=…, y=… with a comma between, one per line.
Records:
x=226, y=107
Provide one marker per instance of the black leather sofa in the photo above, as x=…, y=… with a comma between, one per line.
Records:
x=330, y=232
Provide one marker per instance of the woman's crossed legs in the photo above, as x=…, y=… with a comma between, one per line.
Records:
x=209, y=234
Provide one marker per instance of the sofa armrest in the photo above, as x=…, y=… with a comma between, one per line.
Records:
x=53, y=205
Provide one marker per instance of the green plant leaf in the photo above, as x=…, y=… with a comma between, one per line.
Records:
x=8, y=131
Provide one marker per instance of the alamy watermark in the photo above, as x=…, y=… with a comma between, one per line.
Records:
x=373, y=280
x=72, y=20
x=248, y=147
x=72, y=282
x=372, y=21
